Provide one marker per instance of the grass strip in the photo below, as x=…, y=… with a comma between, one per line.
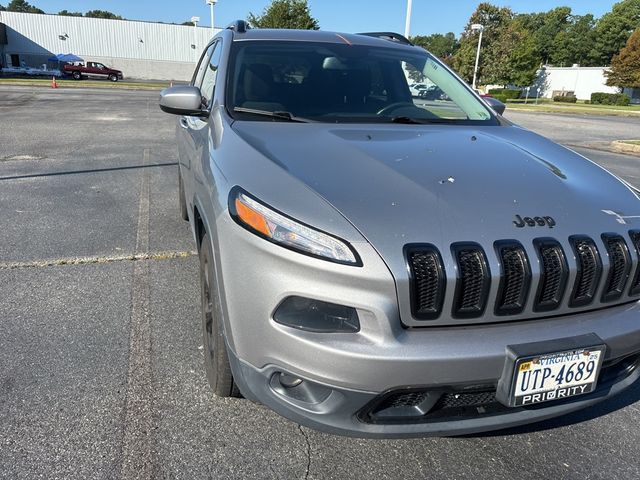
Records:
x=44, y=82
x=586, y=109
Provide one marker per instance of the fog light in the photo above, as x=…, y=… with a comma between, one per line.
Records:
x=297, y=390
x=289, y=381
x=317, y=316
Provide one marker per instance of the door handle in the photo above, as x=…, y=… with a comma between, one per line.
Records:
x=183, y=123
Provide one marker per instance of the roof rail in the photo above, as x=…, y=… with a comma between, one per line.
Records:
x=394, y=37
x=239, y=26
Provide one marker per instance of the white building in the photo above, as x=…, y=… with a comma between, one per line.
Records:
x=576, y=80
x=143, y=50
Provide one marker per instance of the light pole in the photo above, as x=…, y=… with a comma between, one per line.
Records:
x=407, y=23
x=211, y=3
x=475, y=28
x=195, y=21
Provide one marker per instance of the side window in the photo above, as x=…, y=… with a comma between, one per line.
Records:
x=210, y=73
x=199, y=73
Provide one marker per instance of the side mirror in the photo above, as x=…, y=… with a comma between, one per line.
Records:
x=182, y=100
x=496, y=104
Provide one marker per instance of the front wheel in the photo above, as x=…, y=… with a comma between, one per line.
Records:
x=113, y=77
x=216, y=359
x=76, y=75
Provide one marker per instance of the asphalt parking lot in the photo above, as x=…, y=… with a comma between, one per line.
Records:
x=100, y=349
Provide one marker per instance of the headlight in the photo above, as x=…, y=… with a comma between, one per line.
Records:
x=278, y=228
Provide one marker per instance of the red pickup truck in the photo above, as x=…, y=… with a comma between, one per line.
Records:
x=92, y=69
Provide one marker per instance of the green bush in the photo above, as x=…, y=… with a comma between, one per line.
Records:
x=602, y=98
x=505, y=92
x=497, y=96
x=565, y=99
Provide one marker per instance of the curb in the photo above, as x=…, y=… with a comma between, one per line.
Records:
x=628, y=148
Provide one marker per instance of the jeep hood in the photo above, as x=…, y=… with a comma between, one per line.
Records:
x=442, y=184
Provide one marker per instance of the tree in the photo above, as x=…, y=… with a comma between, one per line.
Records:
x=102, y=14
x=574, y=44
x=67, y=13
x=22, y=6
x=2, y=9
x=625, y=66
x=513, y=57
x=613, y=30
x=523, y=59
x=443, y=46
x=188, y=24
x=495, y=21
x=545, y=27
x=285, y=14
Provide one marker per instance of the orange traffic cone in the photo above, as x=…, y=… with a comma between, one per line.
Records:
x=54, y=84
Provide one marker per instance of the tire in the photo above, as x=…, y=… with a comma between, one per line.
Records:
x=76, y=75
x=113, y=77
x=216, y=359
x=182, y=202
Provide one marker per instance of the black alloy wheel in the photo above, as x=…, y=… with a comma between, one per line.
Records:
x=216, y=359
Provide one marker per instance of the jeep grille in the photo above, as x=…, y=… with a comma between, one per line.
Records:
x=581, y=270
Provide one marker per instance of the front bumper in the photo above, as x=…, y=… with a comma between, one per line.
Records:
x=349, y=412
x=357, y=368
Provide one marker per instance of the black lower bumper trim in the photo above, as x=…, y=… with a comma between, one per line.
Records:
x=421, y=405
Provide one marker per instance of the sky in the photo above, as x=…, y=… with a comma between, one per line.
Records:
x=429, y=16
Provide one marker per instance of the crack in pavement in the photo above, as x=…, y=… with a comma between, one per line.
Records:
x=57, y=262
x=137, y=455
x=306, y=438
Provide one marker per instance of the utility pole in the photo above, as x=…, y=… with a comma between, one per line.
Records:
x=407, y=24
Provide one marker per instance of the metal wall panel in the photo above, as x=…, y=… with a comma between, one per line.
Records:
x=41, y=34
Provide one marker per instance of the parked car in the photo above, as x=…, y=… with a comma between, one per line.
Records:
x=417, y=88
x=79, y=70
x=374, y=267
x=433, y=93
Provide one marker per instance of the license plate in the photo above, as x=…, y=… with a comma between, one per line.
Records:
x=556, y=376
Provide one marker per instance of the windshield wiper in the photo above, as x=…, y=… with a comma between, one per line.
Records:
x=417, y=121
x=277, y=114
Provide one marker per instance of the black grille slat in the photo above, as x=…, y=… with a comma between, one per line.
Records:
x=515, y=278
x=411, y=399
x=619, y=267
x=553, y=275
x=471, y=399
x=589, y=271
x=472, y=285
x=428, y=281
x=635, y=283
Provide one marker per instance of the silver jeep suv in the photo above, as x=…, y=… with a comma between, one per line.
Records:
x=377, y=264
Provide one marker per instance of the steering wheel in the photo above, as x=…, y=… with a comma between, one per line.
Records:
x=394, y=106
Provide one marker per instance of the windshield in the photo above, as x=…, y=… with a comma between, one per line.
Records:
x=327, y=82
